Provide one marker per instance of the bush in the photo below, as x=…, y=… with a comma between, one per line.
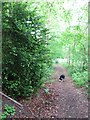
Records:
x=79, y=76
x=8, y=112
x=26, y=57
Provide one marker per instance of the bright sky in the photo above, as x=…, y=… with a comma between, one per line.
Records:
x=74, y=4
x=75, y=7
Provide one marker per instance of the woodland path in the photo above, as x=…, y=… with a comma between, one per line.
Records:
x=64, y=100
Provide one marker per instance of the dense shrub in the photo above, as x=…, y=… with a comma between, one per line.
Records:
x=26, y=57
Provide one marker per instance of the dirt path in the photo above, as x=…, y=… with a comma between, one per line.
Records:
x=64, y=100
x=71, y=102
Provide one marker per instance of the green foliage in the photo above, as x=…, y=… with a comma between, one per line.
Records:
x=79, y=76
x=26, y=57
x=9, y=111
x=46, y=90
x=69, y=38
x=56, y=48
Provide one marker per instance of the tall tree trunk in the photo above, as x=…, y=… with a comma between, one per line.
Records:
x=84, y=49
x=69, y=57
x=84, y=57
x=73, y=52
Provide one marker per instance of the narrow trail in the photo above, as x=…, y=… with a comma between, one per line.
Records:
x=64, y=100
x=71, y=102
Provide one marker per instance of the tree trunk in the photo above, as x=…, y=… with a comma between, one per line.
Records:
x=84, y=50
x=69, y=61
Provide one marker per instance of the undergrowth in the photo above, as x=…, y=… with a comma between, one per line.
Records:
x=8, y=111
x=79, y=76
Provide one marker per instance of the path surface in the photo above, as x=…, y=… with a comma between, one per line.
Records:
x=63, y=100
x=71, y=102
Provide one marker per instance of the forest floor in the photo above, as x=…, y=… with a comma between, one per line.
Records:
x=64, y=100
